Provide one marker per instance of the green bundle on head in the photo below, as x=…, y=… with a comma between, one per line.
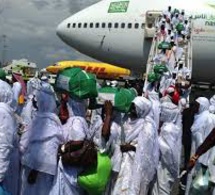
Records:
x=121, y=98
x=160, y=69
x=164, y=45
x=152, y=77
x=2, y=74
x=180, y=27
x=77, y=83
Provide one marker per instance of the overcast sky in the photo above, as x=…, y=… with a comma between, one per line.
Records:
x=30, y=26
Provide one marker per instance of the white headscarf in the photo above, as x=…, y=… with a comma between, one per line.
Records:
x=212, y=109
x=6, y=93
x=204, y=104
x=143, y=106
x=169, y=112
x=77, y=107
x=212, y=100
x=46, y=100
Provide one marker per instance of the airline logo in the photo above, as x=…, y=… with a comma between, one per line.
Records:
x=118, y=7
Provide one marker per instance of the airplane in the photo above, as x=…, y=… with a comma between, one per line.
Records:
x=120, y=32
x=101, y=70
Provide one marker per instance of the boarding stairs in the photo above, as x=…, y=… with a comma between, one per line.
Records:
x=154, y=51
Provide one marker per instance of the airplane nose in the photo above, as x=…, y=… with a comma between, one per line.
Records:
x=60, y=30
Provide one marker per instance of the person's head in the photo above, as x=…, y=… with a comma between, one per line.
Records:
x=169, y=112
x=162, y=27
x=180, y=65
x=194, y=107
x=169, y=8
x=176, y=15
x=169, y=32
x=182, y=12
x=138, y=86
x=140, y=107
x=46, y=102
x=77, y=107
x=203, y=104
x=186, y=21
x=6, y=93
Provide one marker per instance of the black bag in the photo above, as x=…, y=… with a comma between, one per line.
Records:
x=85, y=156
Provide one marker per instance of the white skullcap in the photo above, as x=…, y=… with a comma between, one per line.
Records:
x=44, y=78
x=114, y=83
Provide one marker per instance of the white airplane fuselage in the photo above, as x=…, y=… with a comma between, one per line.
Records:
x=113, y=31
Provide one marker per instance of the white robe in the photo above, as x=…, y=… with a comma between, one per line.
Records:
x=168, y=169
x=9, y=160
x=76, y=129
x=44, y=138
x=131, y=133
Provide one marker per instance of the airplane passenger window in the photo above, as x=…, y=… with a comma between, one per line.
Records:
x=123, y=25
x=103, y=25
x=97, y=25
x=116, y=25
x=79, y=25
x=91, y=25
x=68, y=25
x=129, y=25
x=85, y=25
x=136, y=25
x=109, y=25
x=73, y=25
x=143, y=25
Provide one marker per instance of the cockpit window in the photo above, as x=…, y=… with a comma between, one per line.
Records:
x=68, y=25
x=116, y=25
x=73, y=25
x=91, y=25
x=103, y=25
x=129, y=25
x=123, y=25
x=136, y=25
x=109, y=25
x=85, y=25
x=97, y=25
x=79, y=25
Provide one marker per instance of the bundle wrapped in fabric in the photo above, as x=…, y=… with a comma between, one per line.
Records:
x=180, y=27
x=95, y=179
x=160, y=69
x=152, y=77
x=121, y=98
x=77, y=83
x=164, y=45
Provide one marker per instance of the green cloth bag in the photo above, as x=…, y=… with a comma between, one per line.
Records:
x=95, y=179
x=121, y=98
x=77, y=83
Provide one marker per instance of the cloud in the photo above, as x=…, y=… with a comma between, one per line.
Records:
x=30, y=26
x=40, y=4
x=77, y=5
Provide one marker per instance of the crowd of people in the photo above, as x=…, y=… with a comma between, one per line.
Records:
x=49, y=143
